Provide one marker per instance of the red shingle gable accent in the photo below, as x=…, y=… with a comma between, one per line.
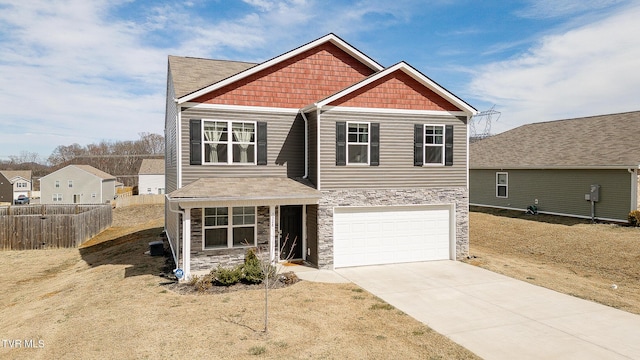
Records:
x=295, y=82
x=396, y=91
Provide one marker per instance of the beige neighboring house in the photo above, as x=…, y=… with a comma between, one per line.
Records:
x=151, y=177
x=77, y=184
x=21, y=181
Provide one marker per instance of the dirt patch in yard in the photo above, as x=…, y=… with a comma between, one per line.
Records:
x=598, y=262
x=106, y=301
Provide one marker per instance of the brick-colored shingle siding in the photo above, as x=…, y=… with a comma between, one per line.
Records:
x=296, y=82
x=396, y=91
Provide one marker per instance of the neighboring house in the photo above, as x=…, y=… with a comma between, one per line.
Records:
x=6, y=190
x=151, y=177
x=77, y=184
x=21, y=181
x=553, y=165
x=359, y=163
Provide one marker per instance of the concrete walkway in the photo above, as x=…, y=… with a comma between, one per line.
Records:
x=498, y=317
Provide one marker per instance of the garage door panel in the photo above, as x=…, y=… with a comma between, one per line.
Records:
x=385, y=235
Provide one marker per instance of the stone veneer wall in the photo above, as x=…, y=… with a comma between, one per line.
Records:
x=425, y=196
x=210, y=259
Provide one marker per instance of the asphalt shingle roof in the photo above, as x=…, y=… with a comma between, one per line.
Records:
x=151, y=167
x=91, y=170
x=191, y=74
x=595, y=141
x=10, y=174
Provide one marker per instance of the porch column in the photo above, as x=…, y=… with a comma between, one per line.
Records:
x=186, y=244
x=272, y=232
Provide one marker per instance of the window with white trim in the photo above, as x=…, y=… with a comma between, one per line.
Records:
x=229, y=227
x=57, y=184
x=433, y=145
x=502, y=184
x=21, y=185
x=357, y=143
x=229, y=142
x=57, y=197
x=70, y=183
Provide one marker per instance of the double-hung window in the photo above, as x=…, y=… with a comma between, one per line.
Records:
x=229, y=142
x=502, y=184
x=228, y=227
x=70, y=183
x=57, y=183
x=434, y=144
x=357, y=143
x=57, y=197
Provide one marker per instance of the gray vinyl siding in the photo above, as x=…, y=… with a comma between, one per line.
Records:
x=313, y=147
x=6, y=190
x=557, y=191
x=285, y=146
x=396, y=169
x=171, y=161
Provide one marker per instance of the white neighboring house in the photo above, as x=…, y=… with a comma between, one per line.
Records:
x=77, y=184
x=151, y=177
x=21, y=181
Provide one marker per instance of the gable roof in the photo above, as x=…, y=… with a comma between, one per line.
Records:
x=86, y=168
x=151, y=167
x=414, y=74
x=191, y=74
x=12, y=174
x=355, y=53
x=604, y=141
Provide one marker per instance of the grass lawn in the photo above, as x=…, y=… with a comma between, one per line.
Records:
x=106, y=301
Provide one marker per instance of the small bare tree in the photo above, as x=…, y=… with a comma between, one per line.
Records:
x=270, y=271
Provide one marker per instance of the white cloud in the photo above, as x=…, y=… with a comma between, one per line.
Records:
x=585, y=71
x=562, y=8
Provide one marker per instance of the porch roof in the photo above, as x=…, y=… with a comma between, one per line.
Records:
x=245, y=191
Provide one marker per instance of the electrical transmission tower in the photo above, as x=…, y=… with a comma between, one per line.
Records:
x=480, y=124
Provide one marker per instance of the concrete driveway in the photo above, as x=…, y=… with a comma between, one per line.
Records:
x=498, y=317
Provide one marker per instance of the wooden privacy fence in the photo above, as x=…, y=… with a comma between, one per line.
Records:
x=28, y=227
x=139, y=200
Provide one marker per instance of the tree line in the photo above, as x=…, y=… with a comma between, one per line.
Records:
x=118, y=158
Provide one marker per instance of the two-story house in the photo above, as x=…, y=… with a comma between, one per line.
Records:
x=77, y=184
x=21, y=181
x=320, y=153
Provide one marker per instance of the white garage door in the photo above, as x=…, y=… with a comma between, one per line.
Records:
x=391, y=234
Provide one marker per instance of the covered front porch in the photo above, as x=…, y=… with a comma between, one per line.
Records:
x=220, y=218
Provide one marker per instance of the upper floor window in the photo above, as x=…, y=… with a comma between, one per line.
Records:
x=502, y=184
x=227, y=142
x=57, y=184
x=357, y=143
x=21, y=185
x=433, y=145
x=70, y=183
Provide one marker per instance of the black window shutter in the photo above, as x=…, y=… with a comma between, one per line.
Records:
x=448, y=145
x=375, y=145
x=341, y=143
x=262, y=143
x=195, y=142
x=417, y=145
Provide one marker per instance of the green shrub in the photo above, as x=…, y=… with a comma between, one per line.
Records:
x=228, y=276
x=634, y=218
x=252, y=270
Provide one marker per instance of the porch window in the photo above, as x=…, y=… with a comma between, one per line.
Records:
x=228, y=227
x=502, y=184
x=229, y=142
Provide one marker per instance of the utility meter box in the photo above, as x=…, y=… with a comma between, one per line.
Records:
x=594, y=194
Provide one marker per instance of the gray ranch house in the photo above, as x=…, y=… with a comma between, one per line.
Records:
x=321, y=153
x=77, y=184
x=555, y=165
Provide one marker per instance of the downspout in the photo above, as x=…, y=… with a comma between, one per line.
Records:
x=635, y=186
x=306, y=145
x=179, y=212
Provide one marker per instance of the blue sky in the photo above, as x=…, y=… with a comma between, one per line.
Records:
x=82, y=71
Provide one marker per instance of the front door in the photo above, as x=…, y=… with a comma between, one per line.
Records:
x=76, y=198
x=291, y=232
